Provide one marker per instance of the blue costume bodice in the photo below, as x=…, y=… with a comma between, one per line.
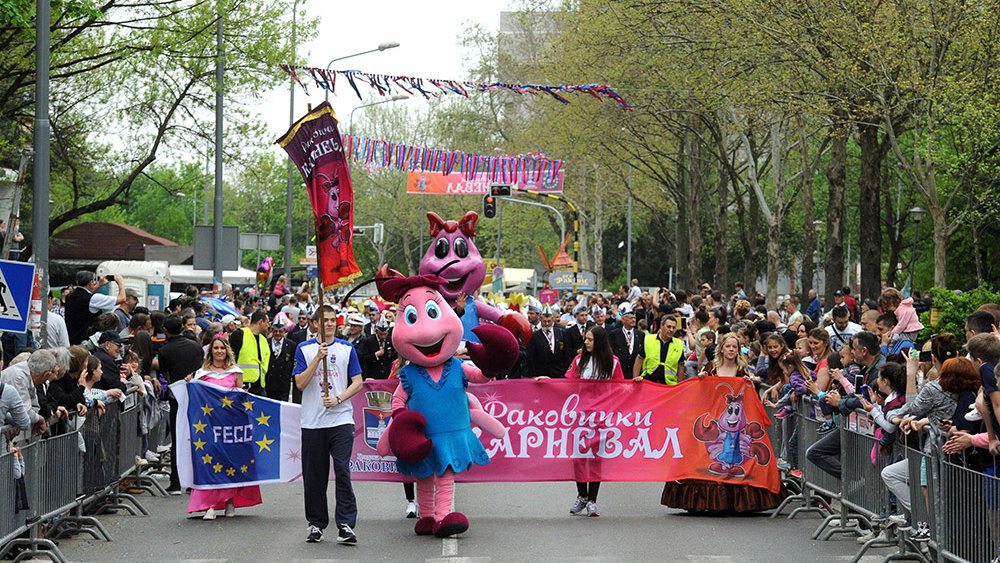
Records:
x=445, y=405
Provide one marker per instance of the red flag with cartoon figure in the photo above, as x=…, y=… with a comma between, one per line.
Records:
x=313, y=143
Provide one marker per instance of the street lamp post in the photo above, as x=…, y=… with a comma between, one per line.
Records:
x=918, y=215
x=381, y=47
x=628, y=218
x=817, y=224
x=350, y=116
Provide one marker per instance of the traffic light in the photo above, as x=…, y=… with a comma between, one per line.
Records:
x=490, y=206
x=500, y=190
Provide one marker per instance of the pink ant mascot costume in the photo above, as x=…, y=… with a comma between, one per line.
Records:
x=431, y=434
x=454, y=256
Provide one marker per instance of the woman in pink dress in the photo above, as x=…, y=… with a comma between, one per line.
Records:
x=220, y=369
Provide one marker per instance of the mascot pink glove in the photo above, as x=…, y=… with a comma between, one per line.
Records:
x=407, y=439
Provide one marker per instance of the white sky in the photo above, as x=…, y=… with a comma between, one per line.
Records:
x=428, y=34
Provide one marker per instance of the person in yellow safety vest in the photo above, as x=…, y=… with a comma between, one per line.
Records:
x=660, y=355
x=253, y=353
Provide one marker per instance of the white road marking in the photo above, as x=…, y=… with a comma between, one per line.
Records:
x=449, y=547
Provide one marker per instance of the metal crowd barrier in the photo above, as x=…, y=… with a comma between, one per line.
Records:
x=69, y=476
x=969, y=509
x=816, y=487
x=953, y=497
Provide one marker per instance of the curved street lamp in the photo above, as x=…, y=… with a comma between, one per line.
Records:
x=381, y=47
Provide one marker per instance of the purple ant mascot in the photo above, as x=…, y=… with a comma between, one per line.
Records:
x=453, y=255
x=430, y=433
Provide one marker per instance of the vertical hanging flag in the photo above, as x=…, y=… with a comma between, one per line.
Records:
x=314, y=145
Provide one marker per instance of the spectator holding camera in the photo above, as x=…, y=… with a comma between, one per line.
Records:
x=84, y=305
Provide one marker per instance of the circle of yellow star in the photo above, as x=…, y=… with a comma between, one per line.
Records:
x=217, y=467
x=248, y=405
x=243, y=469
x=206, y=459
x=207, y=410
x=263, y=419
x=264, y=444
x=199, y=426
x=230, y=472
x=227, y=402
x=199, y=445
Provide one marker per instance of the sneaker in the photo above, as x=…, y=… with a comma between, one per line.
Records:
x=174, y=492
x=152, y=456
x=162, y=449
x=922, y=533
x=140, y=462
x=973, y=414
x=874, y=535
x=592, y=510
x=315, y=535
x=783, y=465
x=827, y=426
x=411, y=510
x=230, y=509
x=346, y=536
x=209, y=514
x=898, y=519
x=578, y=506
x=782, y=412
x=797, y=473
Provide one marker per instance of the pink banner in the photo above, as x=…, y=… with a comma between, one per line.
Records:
x=571, y=430
x=458, y=184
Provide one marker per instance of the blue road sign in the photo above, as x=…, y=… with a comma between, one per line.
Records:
x=16, y=279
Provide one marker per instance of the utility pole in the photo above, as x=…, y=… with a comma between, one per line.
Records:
x=291, y=170
x=40, y=177
x=220, y=67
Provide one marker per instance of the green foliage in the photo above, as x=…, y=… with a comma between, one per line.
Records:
x=953, y=308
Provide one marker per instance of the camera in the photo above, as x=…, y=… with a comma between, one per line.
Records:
x=859, y=382
x=925, y=356
x=109, y=278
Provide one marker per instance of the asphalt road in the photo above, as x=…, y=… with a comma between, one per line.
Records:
x=509, y=522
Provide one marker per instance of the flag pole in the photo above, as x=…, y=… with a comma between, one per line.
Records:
x=322, y=337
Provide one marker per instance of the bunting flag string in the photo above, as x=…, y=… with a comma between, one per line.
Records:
x=388, y=85
x=375, y=154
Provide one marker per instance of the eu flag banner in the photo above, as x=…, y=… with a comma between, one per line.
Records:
x=230, y=438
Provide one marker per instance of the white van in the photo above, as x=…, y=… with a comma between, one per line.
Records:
x=151, y=280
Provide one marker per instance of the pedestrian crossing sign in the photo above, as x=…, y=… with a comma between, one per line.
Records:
x=16, y=280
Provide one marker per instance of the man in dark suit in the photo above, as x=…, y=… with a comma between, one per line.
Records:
x=376, y=352
x=546, y=350
x=279, y=369
x=625, y=341
x=300, y=335
x=575, y=332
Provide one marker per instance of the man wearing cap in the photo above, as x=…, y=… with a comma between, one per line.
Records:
x=84, y=304
x=229, y=324
x=546, y=350
x=627, y=339
x=109, y=347
x=253, y=354
x=279, y=369
x=576, y=331
x=124, y=310
x=534, y=316
x=376, y=352
x=372, y=315
x=355, y=328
